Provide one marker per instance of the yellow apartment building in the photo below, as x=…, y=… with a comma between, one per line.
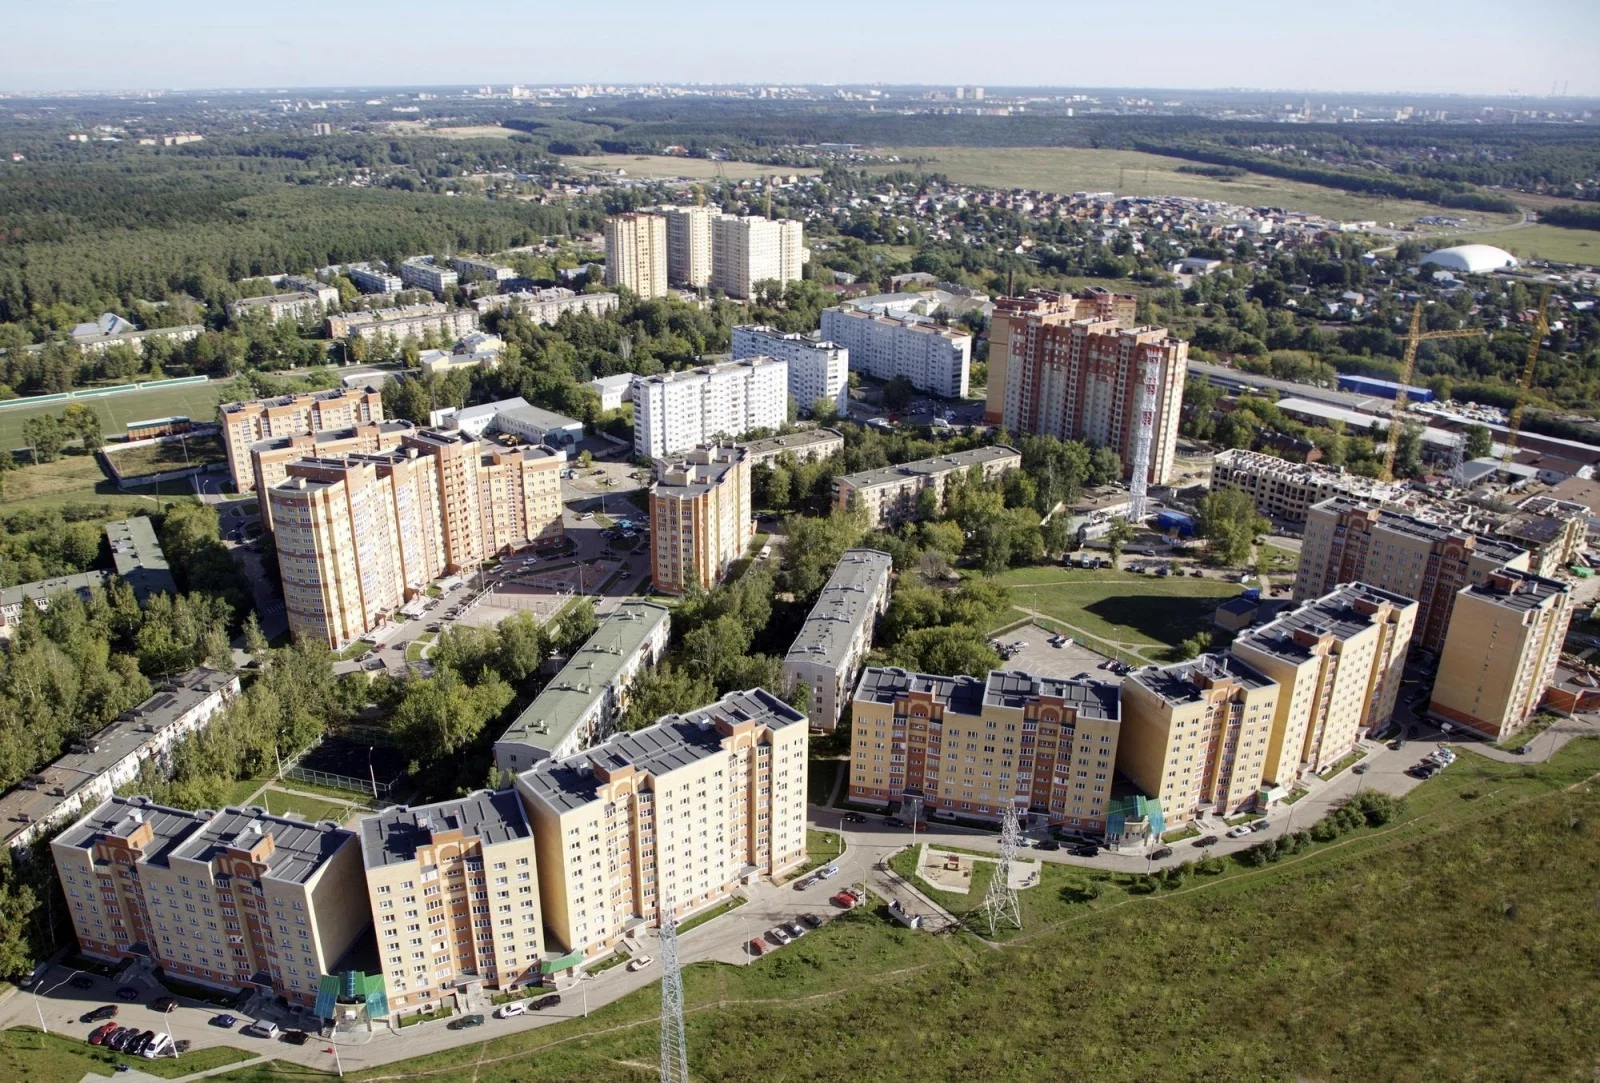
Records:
x=699, y=517
x=270, y=459
x=245, y=424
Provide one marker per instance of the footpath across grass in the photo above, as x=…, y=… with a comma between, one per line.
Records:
x=1121, y=607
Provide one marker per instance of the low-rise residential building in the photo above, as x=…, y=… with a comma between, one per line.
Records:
x=245, y=424
x=677, y=815
x=270, y=459
x=236, y=899
x=94, y=768
x=699, y=518
x=472, y=267
x=422, y=273
x=1195, y=735
x=477, y=350
x=934, y=358
x=819, y=371
x=837, y=634
x=138, y=558
x=365, y=277
x=1338, y=661
x=675, y=411
x=513, y=417
x=15, y=600
x=409, y=321
x=892, y=494
x=1501, y=651
x=469, y=865
x=582, y=703
x=1285, y=490
x=810, y=445
x=299, y=305
x=971, y=748
x=546, y=306
x=613, y=390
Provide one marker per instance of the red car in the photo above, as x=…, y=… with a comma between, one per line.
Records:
x=101, y=1033
x=847, y=900
x=758, y=946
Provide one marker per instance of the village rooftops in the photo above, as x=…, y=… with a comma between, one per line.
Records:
x=393, y=836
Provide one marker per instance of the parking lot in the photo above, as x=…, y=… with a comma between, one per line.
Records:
x=1039, y=657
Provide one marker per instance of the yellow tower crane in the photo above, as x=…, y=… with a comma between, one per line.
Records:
x=1413, y=340
x=1535, y=338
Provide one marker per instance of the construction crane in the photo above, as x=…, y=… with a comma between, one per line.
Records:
x=1413, y=340
x=1535, y=338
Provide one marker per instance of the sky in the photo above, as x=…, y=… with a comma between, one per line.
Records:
x=1479, y=47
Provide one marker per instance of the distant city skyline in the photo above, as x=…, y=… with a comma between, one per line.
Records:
x=1364, y=46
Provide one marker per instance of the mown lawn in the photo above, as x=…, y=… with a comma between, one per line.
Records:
x=1121, y=607
x=26, y=1054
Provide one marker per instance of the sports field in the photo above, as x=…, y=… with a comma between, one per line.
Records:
x=1543, y=242
x=197, y=401
x=658, y=166
x=1131, y=173
x=1133, y=612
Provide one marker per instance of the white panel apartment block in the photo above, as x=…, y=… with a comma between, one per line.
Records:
x=818, y=369
x=676, y=411
x=933, y=358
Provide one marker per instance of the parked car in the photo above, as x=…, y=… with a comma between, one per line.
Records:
x=805, y=881
x=551, y=1001
x=1086, y=849
x=779, y=935
x=225, y=1021
x=1520, y=750
x=1240, y=832
x=128, y=993
x=1397, y=744
x=462, y=1022
x=81, y=981
x=261, y=1028
x=813, y=920
x=105, y=1011
x=1050, y=844
x=1160, y=853
x=794, y=929
x=181, y=1045
x=828, y=872
x=158, y=1046
x=510, y=1011
x=853, y=818
x=1260, y=825
x=893, y=821
x=1206, y=840
x=119, y=1038
x=758, y=946
x=166, y=1004
x=293, y=1037
x=144, y=1041
x=101, y=1033
x=847, y=900
x=1360, y=768
x=585, y=517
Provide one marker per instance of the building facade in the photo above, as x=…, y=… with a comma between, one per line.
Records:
x=636, y=253
x=1348, y=542
x=423, y=274
x=399, y=324
x=892, y=494
x=689, y=246
x=300, y=305
x=933, y=358
x=232, y=899
x=837, y=634
x=473, y=267
x=1338, y=661
x=818, y=370
x=454, y=895
x=971, y=748
x=699, y=518
x=547, y=306
x=675, y=411
x=270, y=459
x=1285, y=490
x=1092, y=303
x=1085, y=379
x=245, y=424
x=1500, y=652
x=808, y=446
x=746, y=250
x=677, y=814
x=1195, y=735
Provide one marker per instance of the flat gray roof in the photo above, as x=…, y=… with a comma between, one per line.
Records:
x=1182, y=683
x=842, y=607
x=795, y=441
x=392, y=836
x=1527, y=591
x=1091, y=698
x=120, y=816
x=939, y=464
x=79, y=582
x=329, y=436
x=885, y=684
x=299, y=848
x=593, y=668
x=703, y=477
x=1337, y=613
x=138, y=557
x=673, y=742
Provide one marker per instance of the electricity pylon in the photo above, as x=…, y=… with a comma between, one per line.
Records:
x=1000, y=903
x=674, y=1048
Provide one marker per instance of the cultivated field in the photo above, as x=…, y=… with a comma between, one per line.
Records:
x=1543, y=242
x=471, y=131
x=1127, y=172
x=1129, y=611
x=198, y=401
x=666, y=167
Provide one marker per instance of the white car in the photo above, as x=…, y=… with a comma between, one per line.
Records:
x=827, y=872
x=506, y=1011
x=640, y=963
x=586, y=516
x=1240, y=832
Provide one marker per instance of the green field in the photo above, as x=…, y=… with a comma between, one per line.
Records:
x=76, y=478
x=666, y=167
x=1131, y=173
x=146, y=459
x=26, y=1054
x=198, y=401
x=1543, y=242
x=1456, y=943
x=312, y=809
x=1126, y=610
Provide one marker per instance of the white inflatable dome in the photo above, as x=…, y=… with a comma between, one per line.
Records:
x=1472, y=259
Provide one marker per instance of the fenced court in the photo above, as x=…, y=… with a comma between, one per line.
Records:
x=542, y=593
x=351, y=762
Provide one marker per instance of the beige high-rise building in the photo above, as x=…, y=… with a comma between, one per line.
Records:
x=232, y=899
x=454, y=891
x=1501, y=652
x=689, y=246
x=1338, y=661
x=270, y=459
x=1195, y=735
x=636, y=253
x=699, y=517
x=244, y=424
x=752, y=249
x=1348, y=542
x=969, y=748
x=1092, y=303
x=683, y=811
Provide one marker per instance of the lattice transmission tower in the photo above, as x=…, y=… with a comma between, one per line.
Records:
x=1143, y=436
x=1000, y=904
x=674, y=1048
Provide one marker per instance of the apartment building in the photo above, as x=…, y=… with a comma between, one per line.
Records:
x=231, y=899
x=751, y=249
x=270, y=459
x=1338, y=661
x=545, y=307
x=365, y=277
x=1195, y=735
x=474, y=268
x=636, y=253
x=699, y=518
x=298, y=305
x=811, y=445
x=1092, y=303
x=933, y=358
x=245, y=424
x=454, y=892
x=689, y=246
x=892, y=494
x=677, y=814
x=408, y=321
x=1554, y=532
x=971, y=748
x=15, y=600
x=582, y=703
x=675, y=411
x=421, y=273
x=1095, y=380
x=1501, y=651
x=1285, y=491
x=137, y=557
x=837, y=634
x=1346, y=542
x=818, y=370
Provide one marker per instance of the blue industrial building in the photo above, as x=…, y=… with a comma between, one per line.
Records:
x=1175, y=522
x=1366, y=385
